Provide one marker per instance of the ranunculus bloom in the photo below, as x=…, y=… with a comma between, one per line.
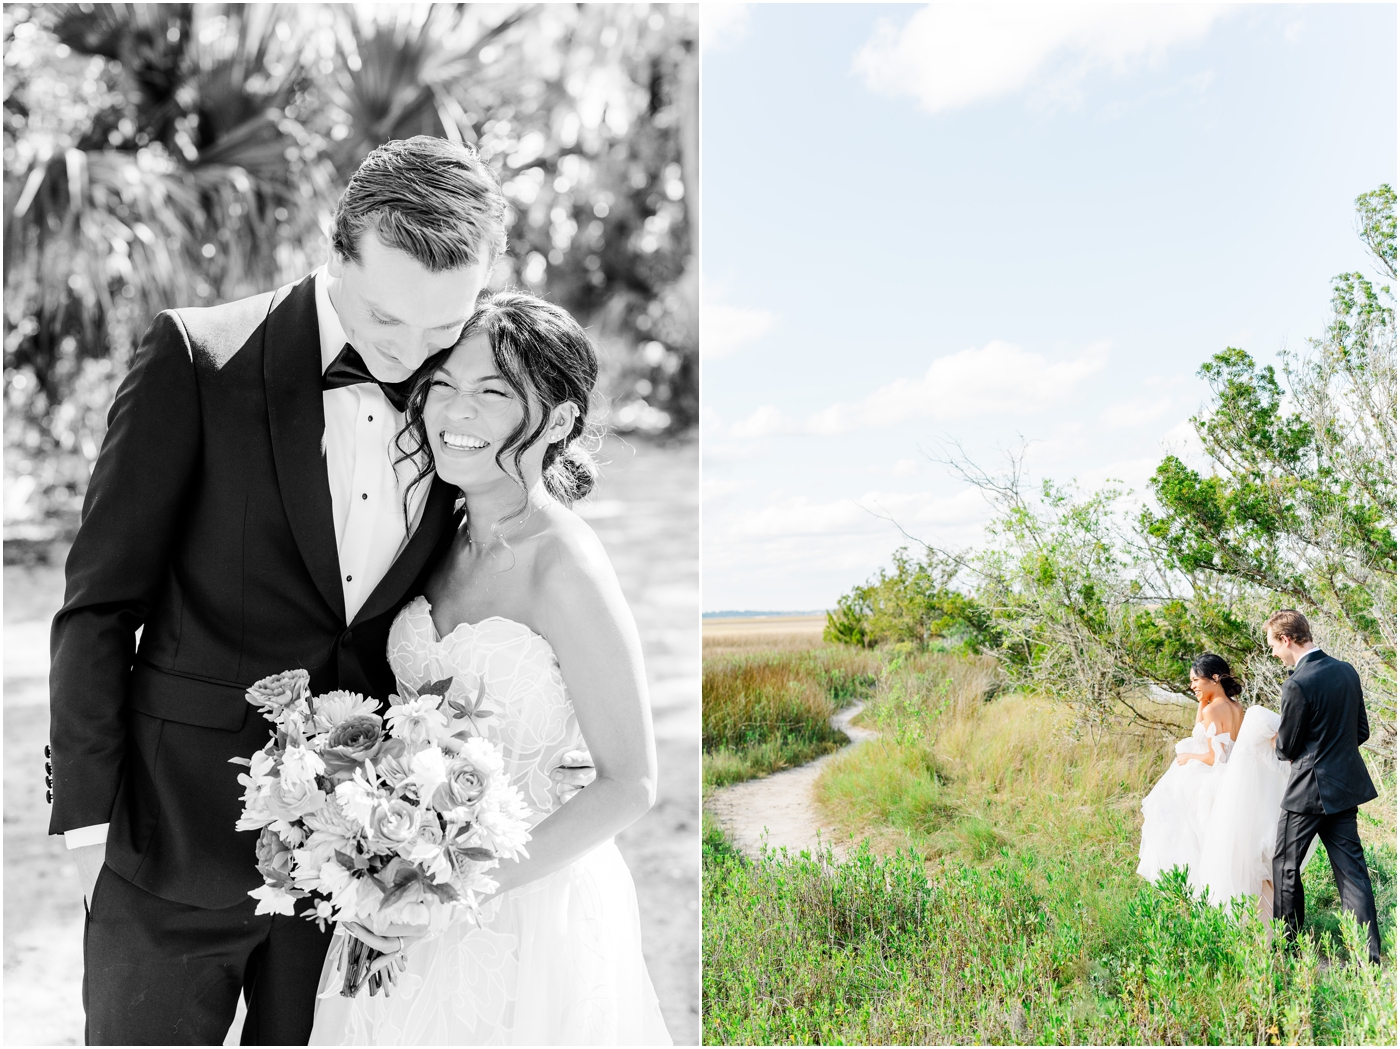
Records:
x=291, y=800
x=393, y=823
x=278, y=691
x=273, y=852
x=430, y=831
x=465, y=785
x=356, y=736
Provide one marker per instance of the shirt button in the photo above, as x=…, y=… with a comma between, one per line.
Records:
x=371, y=418
x=349, y=578
x=364, y=495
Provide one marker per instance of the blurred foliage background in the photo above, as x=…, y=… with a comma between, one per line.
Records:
x=161, y=155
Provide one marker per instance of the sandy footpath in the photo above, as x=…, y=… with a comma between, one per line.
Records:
x=646, y=513
x=780, y=810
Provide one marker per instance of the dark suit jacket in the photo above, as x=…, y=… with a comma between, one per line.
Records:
x=207, y=526
x=1322, y=728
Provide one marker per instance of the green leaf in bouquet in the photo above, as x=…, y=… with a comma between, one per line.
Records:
x=277, y=879
x=471, y=709
x=354, y=863
x=445, y=891
x=476, y=852
x=435, y=688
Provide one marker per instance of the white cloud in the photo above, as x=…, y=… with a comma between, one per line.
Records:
x=1133, y=411
x=953, y=55
x=997, y=378
x=714, y=489
x=722, y=25
x=764, y=421
x=725, y=328
x=872, y=512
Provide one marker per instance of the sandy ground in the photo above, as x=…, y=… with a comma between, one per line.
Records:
x=646, y=512
x=780, y=810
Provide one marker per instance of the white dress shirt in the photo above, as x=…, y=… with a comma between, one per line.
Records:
x=366, y=487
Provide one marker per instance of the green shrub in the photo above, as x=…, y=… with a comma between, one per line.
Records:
x=772, y=710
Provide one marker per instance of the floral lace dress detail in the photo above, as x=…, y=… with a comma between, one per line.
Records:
x=555, y=962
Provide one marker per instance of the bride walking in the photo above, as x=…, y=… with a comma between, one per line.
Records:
x=1215, y=812
x=1176, y=810
x=524, y=613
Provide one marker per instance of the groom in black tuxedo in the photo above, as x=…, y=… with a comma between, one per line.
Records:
x=1322, y=728
x=246, y=516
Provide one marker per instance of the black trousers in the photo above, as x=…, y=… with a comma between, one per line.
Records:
x=1338, y=833
x=163, y=973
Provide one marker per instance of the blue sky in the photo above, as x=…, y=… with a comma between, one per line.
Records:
x=981, y=224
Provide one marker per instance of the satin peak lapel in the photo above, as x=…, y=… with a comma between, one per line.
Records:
x=433, y=526
x=292, y=375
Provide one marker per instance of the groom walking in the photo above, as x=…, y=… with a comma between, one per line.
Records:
x=246, y=516
x=1323, y=725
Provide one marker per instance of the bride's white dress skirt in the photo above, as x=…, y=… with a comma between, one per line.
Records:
x=1219, y=821
x=555, y=962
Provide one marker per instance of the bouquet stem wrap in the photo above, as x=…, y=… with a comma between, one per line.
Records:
x=359, y=956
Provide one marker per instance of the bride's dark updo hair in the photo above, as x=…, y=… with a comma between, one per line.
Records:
x=1209, y=665
x=545, y=356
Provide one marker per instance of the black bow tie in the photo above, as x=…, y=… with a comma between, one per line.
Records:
x=348, y=369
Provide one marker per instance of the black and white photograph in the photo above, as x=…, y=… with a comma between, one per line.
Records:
x=351, y=524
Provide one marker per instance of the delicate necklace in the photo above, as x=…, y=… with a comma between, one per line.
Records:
x=497, y=536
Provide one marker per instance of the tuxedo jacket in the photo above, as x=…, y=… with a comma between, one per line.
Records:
x=1322, y=728
x=207, y=527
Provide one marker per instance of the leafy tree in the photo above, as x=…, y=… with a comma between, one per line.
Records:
x=1296, y=509
x=186, y=154
x=153, y=156
x=1299, y=504
x=913, y=604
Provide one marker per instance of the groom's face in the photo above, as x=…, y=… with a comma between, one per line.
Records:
x=395, y=311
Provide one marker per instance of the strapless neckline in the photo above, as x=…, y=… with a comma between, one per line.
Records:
x=440, y=638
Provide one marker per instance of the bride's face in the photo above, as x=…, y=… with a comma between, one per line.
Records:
x=1206, y=688
x=469, y=415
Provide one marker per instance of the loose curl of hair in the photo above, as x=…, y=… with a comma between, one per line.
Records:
x=1209, y=665
x=546, y=358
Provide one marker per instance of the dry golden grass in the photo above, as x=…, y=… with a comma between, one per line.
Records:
x=762, y=634
x=955, y=773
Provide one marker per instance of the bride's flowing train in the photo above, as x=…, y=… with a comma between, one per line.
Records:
x=1237, y=848
x=1177, y=809
x=555, y=962
x=1219, y=821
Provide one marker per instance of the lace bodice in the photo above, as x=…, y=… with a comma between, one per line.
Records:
x=524, y=706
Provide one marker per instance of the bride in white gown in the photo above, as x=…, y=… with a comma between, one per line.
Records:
x=524, y=613
x=1215, y=811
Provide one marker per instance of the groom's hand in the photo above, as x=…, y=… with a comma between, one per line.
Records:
x=89, y=859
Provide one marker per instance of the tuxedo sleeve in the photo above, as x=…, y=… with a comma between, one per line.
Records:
x=1291, y=721
x=1363, y=727
x=130, y=520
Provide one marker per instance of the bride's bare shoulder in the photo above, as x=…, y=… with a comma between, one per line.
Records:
x=571, y=563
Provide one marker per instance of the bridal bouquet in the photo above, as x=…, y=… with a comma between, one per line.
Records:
x=387, y=822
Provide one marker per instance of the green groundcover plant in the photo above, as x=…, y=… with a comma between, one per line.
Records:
x=890, y=950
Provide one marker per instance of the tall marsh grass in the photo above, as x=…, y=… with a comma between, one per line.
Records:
x=766, y=711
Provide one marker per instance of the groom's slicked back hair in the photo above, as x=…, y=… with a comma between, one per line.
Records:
x=430, y=198
x=1290, y=625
